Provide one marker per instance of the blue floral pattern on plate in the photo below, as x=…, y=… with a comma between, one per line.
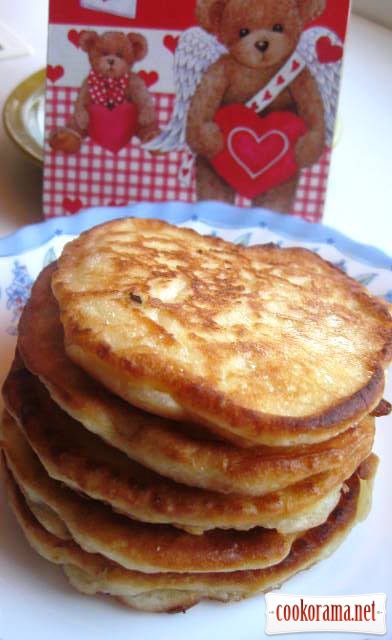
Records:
x=17, y=293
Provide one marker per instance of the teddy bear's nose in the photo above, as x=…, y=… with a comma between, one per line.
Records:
x=262, y=45
x=111, y=61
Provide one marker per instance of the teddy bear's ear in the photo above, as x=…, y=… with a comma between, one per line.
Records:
x=140, y=46
x=311, y=9
x=87, y=40
x=209, y=14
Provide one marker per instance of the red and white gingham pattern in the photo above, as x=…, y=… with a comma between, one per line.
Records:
x=96, y=176
x=312, y=190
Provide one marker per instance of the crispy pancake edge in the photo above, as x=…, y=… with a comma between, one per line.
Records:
x=93, y=574
x=135, y=545
x=203, y=403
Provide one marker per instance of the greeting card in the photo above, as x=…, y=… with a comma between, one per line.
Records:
x=230, y=100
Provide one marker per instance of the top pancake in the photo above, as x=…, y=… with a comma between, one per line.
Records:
x=171, y=449
x=262, y=344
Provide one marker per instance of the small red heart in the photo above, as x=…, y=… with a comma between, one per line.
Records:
x=295, y=65
x=149, y=77
x=74, y=37
x=72, y=206
x=171, y=42
x=185, y=172
x=267, y=96
x=55, y=73
x=328, y=52
x=280, y=80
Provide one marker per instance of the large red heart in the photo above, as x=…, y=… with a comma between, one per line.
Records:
x=328, y=52
x=112, y=128
x=259, y=152
x=54, y=73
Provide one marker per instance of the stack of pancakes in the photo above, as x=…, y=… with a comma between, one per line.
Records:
x=187, y=418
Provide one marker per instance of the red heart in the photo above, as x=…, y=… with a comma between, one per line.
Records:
x=280, y=80
x=112, y=128
x=74, y=37
x=328, y=52
x=259, y=152
x=171, y=43
x=185, y=172
x=72, y=206
x=149, y=77
x=295, y=65
x=55, y=73
x=267, y=96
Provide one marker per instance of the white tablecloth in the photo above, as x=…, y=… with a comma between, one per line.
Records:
x=360, y=195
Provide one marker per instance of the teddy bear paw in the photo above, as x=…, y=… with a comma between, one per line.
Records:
x=65, y=140
x=308, y=150
x=210, y=141
x=148, y=132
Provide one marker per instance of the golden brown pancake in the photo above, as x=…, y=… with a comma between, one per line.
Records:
x=157, y=443
x=92, y=573
x=82, y=461
x=48, y=519
x=134, y=545
x=263, y=345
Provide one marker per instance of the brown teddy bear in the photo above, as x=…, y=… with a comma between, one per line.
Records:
x=110, y=86
x=260, y=36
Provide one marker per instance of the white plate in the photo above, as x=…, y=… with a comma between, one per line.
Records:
x=36, y=602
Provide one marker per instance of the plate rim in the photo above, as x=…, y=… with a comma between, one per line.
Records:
x=20, y=93
x=210, y=212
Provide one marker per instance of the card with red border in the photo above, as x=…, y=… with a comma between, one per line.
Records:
x=230, y=100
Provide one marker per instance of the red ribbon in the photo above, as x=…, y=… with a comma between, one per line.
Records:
x=107, y=91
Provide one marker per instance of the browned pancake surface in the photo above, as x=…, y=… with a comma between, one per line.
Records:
x=173, y=450
x=132, y=544
x=262, y=344
x=76, y=457
x=92, y=573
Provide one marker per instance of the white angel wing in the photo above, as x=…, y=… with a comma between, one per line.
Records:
x=326, y=73
x=197, y=50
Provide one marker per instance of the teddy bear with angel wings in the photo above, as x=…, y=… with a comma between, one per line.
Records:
x=256, y=98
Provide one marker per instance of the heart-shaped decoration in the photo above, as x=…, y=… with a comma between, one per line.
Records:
x=74, y=37
x=259, y=151
x=244, y=146
x=149, y=77
x=54, y=73
x=72, y=206
x=171, y=42
x=112, y=129
x=328, y=52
